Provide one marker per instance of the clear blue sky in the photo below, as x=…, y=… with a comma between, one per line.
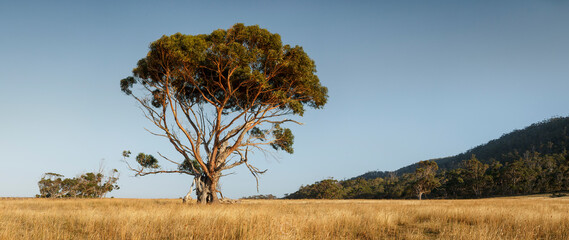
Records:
x=408, y=81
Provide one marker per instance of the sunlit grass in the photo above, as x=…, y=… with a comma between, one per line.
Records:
x=501, y=218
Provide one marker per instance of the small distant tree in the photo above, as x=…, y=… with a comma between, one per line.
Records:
x=424, y=179
x=325, y=189
x=88, y=185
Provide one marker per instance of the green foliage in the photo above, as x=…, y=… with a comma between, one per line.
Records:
x=360, y=188
x=268, y=196
x=528, y=161
x=88, y=185
x=531, y=173
x=424, y=180
x=126, y=154
x=190, y=166
x=283, y=139
x=255, y=60
x=474, y=175
x=147, y=160
x=325, y=189
x=258, y=133
x=546, y=137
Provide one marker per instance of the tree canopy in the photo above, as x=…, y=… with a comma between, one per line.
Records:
x=88, y=185
x=218, y=96
x=424, y=180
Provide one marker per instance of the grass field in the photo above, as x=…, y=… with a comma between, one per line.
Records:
x=537, y=217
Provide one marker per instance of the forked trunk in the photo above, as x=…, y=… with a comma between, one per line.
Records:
x=206, y=189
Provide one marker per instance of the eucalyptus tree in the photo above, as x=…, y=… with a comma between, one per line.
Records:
x=475, y=177
x=424, y=179
x=217, y=97
x=88, y=185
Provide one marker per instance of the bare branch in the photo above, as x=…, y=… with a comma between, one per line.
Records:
x=174, y=162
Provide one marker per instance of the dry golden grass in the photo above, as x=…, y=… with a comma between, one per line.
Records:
x=501, y=218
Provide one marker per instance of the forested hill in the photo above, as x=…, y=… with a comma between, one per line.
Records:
x=528, y=161
x=547, y=137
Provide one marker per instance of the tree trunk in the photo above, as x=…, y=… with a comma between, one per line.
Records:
x=213, y=190
x=420, y=195
x=206, y=189
x=201, y=189
x=187, y=197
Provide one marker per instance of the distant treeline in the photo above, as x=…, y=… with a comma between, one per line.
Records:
x=531, y=173
x=546, y=137
x=529, y=161
x=88, y=185
x=261, y=196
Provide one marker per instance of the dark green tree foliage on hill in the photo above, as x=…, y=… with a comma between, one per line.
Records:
x=546, y=137
x=531, y=173
x=359, y=188
x=217, y=97
x=452, y=184
x=325, y=189
x=424, y=180
x=88, y=185
x=474, y=176
x=511, y=165
x=261, y=196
